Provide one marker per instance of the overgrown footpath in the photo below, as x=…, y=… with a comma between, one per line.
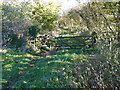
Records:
x=64, y=69
x=15, y=64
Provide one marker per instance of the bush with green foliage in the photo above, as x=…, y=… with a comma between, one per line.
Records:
x=24, y=21
x=14, y=24
x=42, y=14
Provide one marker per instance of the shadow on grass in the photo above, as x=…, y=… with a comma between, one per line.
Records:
x=54, y=71
x=85, y=51
x=13, y=65
x=68, y=69
x=48, y=69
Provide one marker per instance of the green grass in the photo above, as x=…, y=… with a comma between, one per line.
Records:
x=64, y=69
x=52, y=72
x=14, y=63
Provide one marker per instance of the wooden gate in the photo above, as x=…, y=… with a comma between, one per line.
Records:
x=74, y=42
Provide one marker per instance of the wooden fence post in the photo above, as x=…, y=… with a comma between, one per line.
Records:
x=94, y=36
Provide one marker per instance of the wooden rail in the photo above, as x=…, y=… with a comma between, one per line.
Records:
x=72, y=36
x=73, y=42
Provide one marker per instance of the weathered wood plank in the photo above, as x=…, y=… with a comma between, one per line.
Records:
x=73, y=36
x=73, y=42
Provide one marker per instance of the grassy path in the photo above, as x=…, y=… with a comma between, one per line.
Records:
x=65, y=69
x=15, y=65
x=20, y=75
x=29, y=66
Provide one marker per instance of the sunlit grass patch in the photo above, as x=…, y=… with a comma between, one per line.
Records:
x=63, y=69
x=53, y=68
x=3, y=81
x=14, y=63
x=7, y=66
x=3, y=50
x=53, y=71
